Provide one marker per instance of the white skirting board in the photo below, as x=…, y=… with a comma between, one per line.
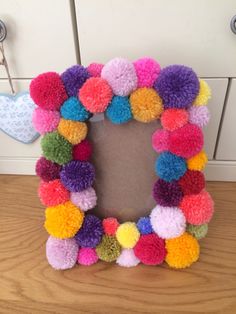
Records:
x=215, y=171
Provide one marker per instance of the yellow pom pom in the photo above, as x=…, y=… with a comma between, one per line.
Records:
x=127, y=235
x=182, y=251
x=197, y=162
x=204, y=94
x=146, y=104
x=73, y=131
x=64, y=220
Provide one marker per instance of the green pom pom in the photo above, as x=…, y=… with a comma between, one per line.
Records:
x=109, y=249
x=56, y=148
x=198, y=232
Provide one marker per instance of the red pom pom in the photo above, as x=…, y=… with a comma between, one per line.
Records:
x=110, y=225
x=192, y=182
x=150, y=249
x=53, y=193
x=47, y=91
x=82, y=151
x=173, y=119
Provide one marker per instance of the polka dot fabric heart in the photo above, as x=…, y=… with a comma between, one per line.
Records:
x=123, y=91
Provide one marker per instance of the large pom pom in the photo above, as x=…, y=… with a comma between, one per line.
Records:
x=172, y=119
x=167, y=193
x=108, y=249
x=127, y=235
x=146, y=105
x=178, y=86
x=144, y=225
x=82, y=151
x=73, y=131
x=119, y=110
x=56, y=148
x=198, y=232
x=147, y=71
x=95, y=69
x=127, y=258
x=72, y=109
x=53, y=193
x=197, y=162
x=47, y=91
x=182, y=251
x=77, y=176
x=47, y=170
x=160, y=140
x=64, y=220
x=90, y=233
x=110, y=225
x=61, y=254
x=192, y=182
x=204, y=94
x=95, y=94
x=199, y=115
x=45, y=120
x=85, y=200
x=167, y=222
x=198, y=208
x=73, y=79
x=150, y=249
x=121, y=76
x=87, y=256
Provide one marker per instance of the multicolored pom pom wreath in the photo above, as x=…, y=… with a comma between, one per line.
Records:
x=122, y=91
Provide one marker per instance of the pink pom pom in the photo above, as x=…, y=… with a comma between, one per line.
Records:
x=110, y=225
x=45, y=120
x=53, y=193
x=127, y=258
x=82, y=151
x=95, y=69
x=87, y=256
x=147, y=71
x=173, y=119
x=85, y=200
x=199, y=115
x=160, y=140
x=198, y=208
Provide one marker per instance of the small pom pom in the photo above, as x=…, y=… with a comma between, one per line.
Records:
x=172, y=119
x=95, y=95
x=87, y=256
x=108, y=249
x=146, y=105
x=53, y=193
x=61, y=253
x=45, y=120
x=147, y=71
x=160, y=140
x=95, y=69
x=72, y=109
x=127, y=258
x=199, y=115
x=198, y=232
x=47, y=91
x=197, y=162
x=77, y=175
x=85, y=200
x=182, y=251
x=119, y=110
x=167, y=193
x=150, y=249
x=110, y=225
x=121, y=76
x=47, y=170
x=167, y=222
x=192, y=182
x=73, y=131
x=82, y=151
x=64, y=220
x=144, y=225
x=127, y=235
x=204, y=94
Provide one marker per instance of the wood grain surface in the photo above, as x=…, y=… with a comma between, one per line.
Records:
x=29, y=285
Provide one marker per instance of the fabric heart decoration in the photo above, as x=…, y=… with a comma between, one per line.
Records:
x=16, y=117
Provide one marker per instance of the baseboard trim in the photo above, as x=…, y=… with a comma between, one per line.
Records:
x=217, y=170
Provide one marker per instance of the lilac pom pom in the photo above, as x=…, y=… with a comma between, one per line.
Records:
x=144, y=225
x=77, y=175
x=199, y=115
x=47, y=170
x=85, y=200
x=147, y=70
x=127, y=258
x=87, y=256
x=90, y=234
x=167, y=193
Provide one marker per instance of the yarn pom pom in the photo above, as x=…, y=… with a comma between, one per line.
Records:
x=85, y=200
x=82, y=151
x=64, y=220
x=110, y=225
x=199, y=115
x=197, y=162
x=119, y=110
x=192, y=182
x=204, y=94
x=121, y=76
x=108, y=249
x=178, y=86
x=95, y=94
x=146, y=105
x=77, y=175
x=167, y=222
x=87, y=256
x=90, y=233
x=61, y=254
x=47, y=91
x=52, y=193
x=167, y=193
x=186, y=141
x=95, y=69
x=47, y=170
x=147, y=71
x=45, y=120
x=182, y=251
x=198, y=232
x=198, y=208
x=127, y=258
x=72, y=109
x=56, y=148
x=144, y=225
x=73, y=79
x=127, y=234
x=170, y=167
x=73, y=131
x=160, y=140
x=150, y=249
x=172, y=119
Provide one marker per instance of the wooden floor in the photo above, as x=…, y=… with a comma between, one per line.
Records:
x=29, y=285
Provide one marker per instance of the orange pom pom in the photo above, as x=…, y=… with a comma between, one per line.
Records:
x=73, y=131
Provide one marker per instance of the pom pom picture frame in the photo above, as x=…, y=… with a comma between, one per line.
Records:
x=123, y=91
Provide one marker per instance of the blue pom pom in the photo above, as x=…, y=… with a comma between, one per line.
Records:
x=119, y=110
x=170, y=167
x=144, y=225
x=72, y=109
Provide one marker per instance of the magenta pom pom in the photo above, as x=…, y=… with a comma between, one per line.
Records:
x=45, y=120
x=199, y=115
x=127, y=258
x=47, y=170
x=95, y=69
x=85, y=200
x=87, y=256
x=53, y=193
x=82, y=151
x=160, y=140
x=167, y=193
x=147, y=71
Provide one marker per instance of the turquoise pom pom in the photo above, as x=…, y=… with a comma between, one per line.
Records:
x=170, y=167
x=119, y=110
x=72, y=109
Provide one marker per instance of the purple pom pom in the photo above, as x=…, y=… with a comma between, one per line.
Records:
x=167, y=193
x=90, y=234
x=73, y=79
x=47, y=170
x=178, y=86
x=77, y=175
